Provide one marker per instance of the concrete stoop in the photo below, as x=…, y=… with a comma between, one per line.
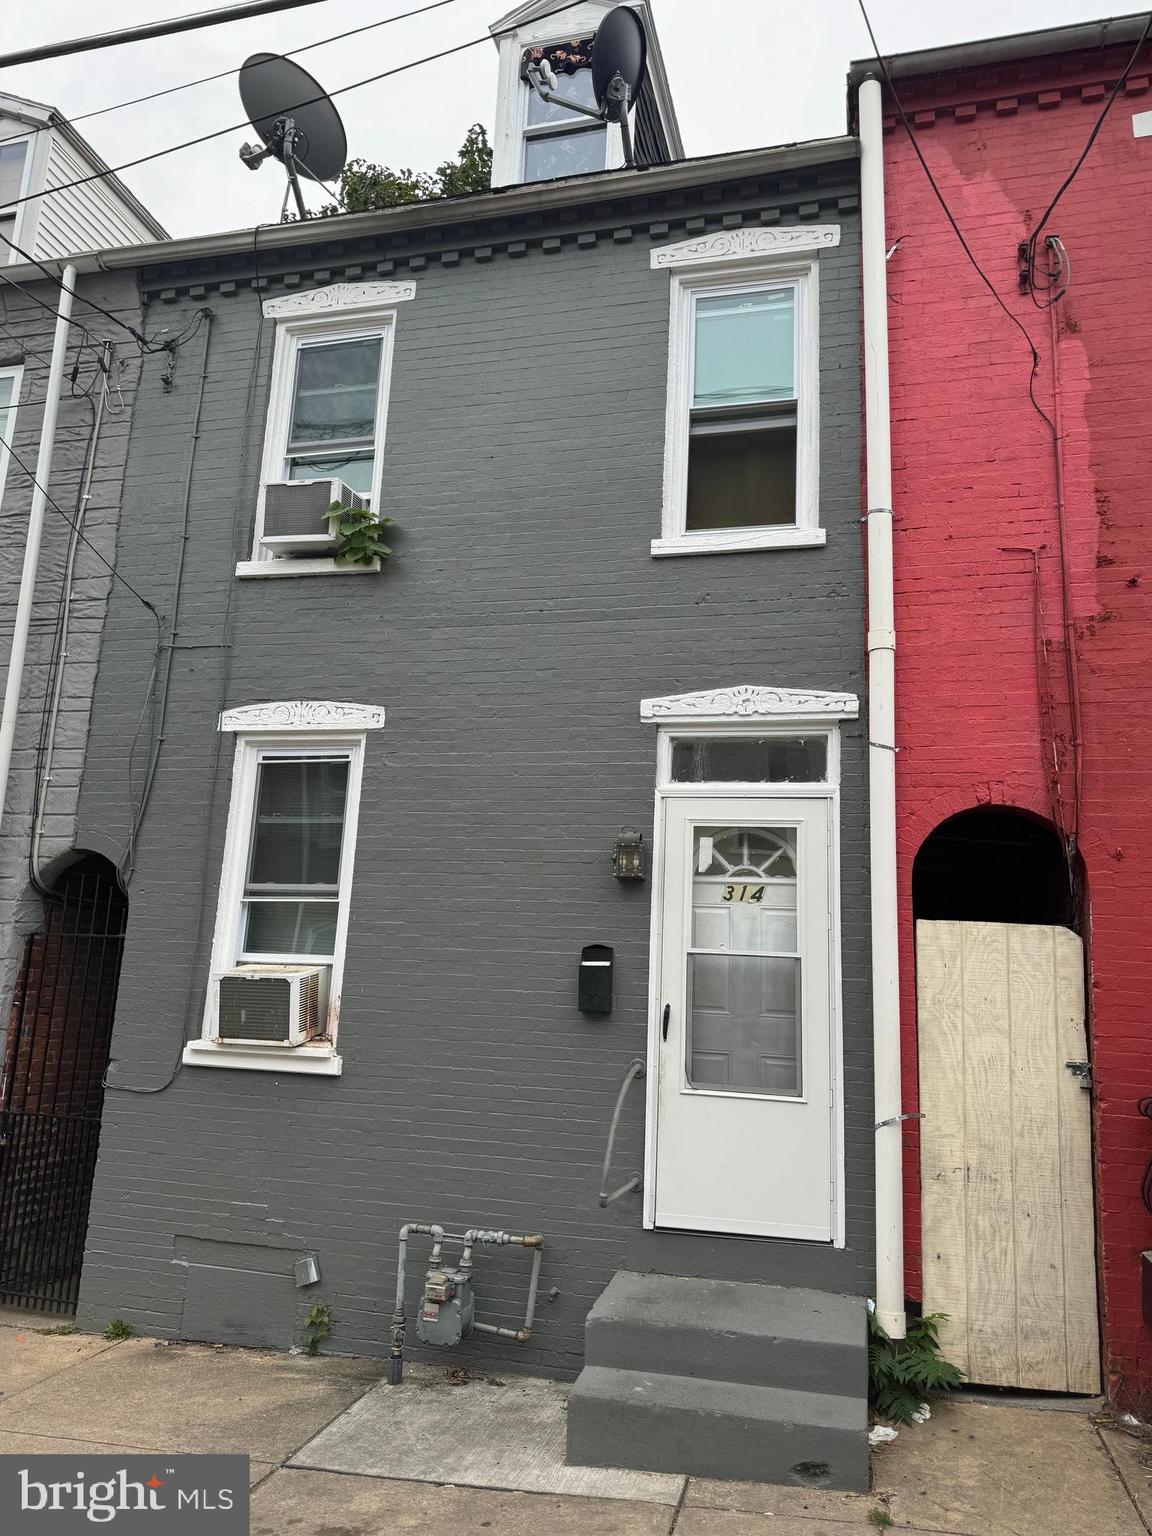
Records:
x=720, y=1378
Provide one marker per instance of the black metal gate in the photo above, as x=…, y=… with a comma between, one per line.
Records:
x=52, y=1086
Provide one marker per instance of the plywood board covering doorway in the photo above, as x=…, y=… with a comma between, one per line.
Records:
x=1006, y=1163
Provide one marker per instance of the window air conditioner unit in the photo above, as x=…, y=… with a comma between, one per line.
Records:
x=294, y=522
x=270, y=1004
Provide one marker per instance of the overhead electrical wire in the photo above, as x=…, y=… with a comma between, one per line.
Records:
x=195, y=21
x=6, y=447
x=1034, y=238
x=219, y=133
x=1067, y=623
x=223, y=74
x=956, y=230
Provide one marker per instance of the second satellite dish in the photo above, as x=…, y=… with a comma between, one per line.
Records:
x=620, y=48
x=296, y=120
x=619, y=59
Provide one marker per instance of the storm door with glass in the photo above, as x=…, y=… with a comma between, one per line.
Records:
x=745, y=1134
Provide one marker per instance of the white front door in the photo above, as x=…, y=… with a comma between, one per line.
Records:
x=745, y=1133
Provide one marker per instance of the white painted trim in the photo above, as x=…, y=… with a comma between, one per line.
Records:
x=16, y=374
x=737, y=541
x=830, y=791
x=309, y=715
x=21, y=223
x=254, y=744
x=318, y=1061
x=296, y=327
x=750, y=702
x=339, y=299
x=685, y=286
x=323, y=566
x=736, y=245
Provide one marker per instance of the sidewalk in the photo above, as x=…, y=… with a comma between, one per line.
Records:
x=976, y=1469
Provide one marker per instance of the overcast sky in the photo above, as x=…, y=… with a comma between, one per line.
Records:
x=743, y=73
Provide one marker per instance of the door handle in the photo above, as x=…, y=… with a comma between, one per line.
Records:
x=664, y=1024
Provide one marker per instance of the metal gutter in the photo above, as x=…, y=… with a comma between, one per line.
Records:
x=508, y=202
x=1013, y=49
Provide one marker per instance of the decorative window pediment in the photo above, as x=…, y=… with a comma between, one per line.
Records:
x=747, y=245
x=749, y=703
x=343, y=297
x=303, y=715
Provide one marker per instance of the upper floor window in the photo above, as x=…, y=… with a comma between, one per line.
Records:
x=558, y=142
x=9, y=395
x=741, y=464
x=327, y=409
x=332, y=420
x=13, y=158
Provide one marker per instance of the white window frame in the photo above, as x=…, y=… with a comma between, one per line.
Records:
x=10, y=257
x=263, y=732
x=613, y=144
x=734, y=262
x=341, y=312
x=16, y=374
x=748, y=711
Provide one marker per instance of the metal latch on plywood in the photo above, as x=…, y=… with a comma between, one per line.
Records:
x=1082, y=1070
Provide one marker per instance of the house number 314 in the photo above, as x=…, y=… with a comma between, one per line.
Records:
x=743, y=893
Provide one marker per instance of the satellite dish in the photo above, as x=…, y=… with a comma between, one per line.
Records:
x=296, y=120
x=619, y=58
x=620, y=48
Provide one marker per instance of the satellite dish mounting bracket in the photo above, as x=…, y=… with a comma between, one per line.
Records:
x=615, y=109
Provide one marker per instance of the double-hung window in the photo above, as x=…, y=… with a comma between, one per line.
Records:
x=741, y=464
x=286, y=883
x=742, y=411
x=290, y=906
x=9, y=395
x=333, y=414
x=559, y=142
x=327, y=410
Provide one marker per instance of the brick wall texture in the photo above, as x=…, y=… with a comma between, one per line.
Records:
x=510, y=641
x=26, y=326
x=974, y=487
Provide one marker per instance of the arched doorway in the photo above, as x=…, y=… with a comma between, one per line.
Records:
x=52, y=1084
x=1007, y=1204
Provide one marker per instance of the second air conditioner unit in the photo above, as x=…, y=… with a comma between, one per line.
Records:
x=294, y=521
x=271, y=1004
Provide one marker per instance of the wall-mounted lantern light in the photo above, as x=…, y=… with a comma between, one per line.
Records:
x=628, y=856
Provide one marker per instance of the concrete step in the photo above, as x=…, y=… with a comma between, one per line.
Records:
x=658, y=1422
x=726, y=1330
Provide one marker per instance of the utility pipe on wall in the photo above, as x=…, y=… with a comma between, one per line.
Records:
x=881, y=725
x=23, y=620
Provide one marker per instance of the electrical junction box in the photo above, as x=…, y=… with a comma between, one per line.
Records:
x=447, y=1307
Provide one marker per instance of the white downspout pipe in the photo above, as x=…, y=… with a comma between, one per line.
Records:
x=881, y=725
x=23, y=620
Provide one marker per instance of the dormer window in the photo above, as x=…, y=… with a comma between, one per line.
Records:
x=13, y=161
x=558, y=142
x=535, y=140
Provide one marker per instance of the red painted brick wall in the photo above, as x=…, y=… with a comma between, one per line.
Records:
x=975, y=477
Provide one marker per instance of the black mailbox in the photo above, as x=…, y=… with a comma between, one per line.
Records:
x=595, y=989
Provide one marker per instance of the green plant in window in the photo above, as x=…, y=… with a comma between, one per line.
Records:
x=357, y=534
x=902, y=1373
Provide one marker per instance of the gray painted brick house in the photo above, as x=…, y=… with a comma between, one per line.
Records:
x=387, y=958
